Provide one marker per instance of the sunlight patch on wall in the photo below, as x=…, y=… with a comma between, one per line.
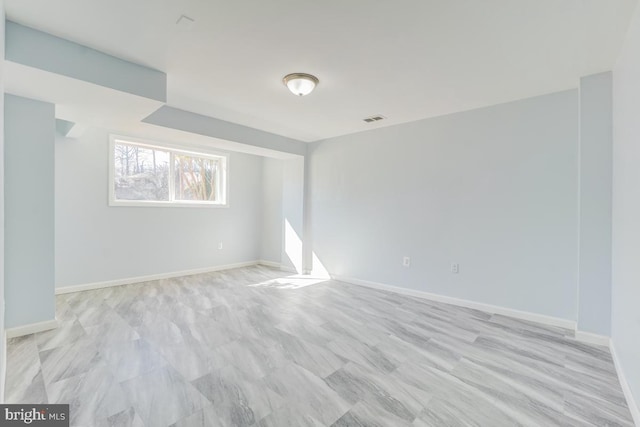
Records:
x=293, y=246
x=318, y=269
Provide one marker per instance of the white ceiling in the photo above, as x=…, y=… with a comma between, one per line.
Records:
x=404, y=59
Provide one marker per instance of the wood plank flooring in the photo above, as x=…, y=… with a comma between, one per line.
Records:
x=251, y=347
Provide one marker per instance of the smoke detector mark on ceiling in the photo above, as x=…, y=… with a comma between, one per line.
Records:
x=185, y=23
x=374, y=118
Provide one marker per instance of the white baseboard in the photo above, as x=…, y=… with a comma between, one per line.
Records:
x=3, y=365
x=128, y=281
x=590, y=338
x=269, y=263
x=631, y=403
x=494, y=309
x=278, y=266
x=32, y=328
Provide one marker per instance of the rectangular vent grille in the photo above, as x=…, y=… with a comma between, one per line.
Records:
x=373, y=119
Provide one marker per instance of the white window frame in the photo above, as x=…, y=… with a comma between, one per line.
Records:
x=172, y=149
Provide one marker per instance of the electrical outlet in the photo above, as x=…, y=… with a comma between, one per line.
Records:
x=220, y=246
x=406, y=261
x=455, y=268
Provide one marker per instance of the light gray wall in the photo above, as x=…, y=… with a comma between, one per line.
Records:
x=292, y=213
x=29, y=211
x=272, y=221
x=282, y=212
x=95, y=242
x=493, y=189
x=626, y=208
x=596, y=150
x=3, y=349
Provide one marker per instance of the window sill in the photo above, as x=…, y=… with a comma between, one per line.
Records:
x=157, y=204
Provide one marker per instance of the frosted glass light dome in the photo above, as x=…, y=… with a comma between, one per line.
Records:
x=300, y=84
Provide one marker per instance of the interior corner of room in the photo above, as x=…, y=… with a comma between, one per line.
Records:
x=526, y=207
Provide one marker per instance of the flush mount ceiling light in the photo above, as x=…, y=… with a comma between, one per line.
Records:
x=300, y=84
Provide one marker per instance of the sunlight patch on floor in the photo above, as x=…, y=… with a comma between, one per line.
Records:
x=295, y=281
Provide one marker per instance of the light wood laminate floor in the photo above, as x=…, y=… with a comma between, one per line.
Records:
x=250, y=347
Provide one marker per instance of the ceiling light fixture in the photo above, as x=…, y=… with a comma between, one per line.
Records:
x=300, y=84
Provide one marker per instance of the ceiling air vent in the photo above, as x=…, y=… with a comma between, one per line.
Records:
x=373, y=118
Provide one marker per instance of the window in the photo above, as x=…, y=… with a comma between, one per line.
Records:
x=143, y=174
